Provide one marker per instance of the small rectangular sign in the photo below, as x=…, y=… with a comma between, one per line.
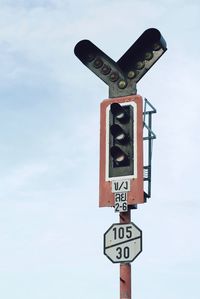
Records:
x=121, y=203
x=120, y=186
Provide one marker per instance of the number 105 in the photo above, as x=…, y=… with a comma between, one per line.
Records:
x=122, y=232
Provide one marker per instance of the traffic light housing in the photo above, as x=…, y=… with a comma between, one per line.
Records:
x=121, y=139
x=121, y=150
x=123, y=75
x=142, y=55
x=102, y=65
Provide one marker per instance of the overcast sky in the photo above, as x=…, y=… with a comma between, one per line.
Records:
x=51, y=228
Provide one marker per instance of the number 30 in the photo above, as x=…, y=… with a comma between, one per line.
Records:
x=122, y=252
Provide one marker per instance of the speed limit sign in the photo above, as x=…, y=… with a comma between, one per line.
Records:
x=122, y=242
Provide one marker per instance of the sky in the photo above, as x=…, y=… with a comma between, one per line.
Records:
x=51, y=227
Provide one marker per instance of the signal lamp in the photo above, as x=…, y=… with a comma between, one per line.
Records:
x=156, y=46
x=114, y=76
x=148, y=55
x=139, y=65
x=119, y=157
x=90, y=57
x=119, y=112
x=131, y=74
x=98, y=63
x=122, y=84
x=105, y=69
x=119, y=134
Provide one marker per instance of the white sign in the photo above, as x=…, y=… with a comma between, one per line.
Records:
x=120, y=186
x=122, y=242
x=120, y=189
x=121, y=202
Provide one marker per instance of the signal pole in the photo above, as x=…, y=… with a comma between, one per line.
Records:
x=125, y=269
x=125, y=178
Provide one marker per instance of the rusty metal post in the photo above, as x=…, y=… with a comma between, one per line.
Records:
x=125, y=269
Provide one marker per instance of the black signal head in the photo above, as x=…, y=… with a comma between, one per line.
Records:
x=122, y=76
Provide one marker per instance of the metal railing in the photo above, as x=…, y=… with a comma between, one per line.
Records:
x=148, y=137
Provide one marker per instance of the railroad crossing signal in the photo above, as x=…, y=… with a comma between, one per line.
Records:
x=123, y=242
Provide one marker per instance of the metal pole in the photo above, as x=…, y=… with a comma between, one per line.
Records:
x=150, y=153
x=125, y=269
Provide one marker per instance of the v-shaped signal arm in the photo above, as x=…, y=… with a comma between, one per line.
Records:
x=122, y=76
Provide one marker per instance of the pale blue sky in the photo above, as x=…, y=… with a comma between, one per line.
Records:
x=51, y=228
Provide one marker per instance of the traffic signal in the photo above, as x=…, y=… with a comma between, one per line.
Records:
x=142, y=55
x=121, y=140
x=122, y=76
x=102, y=65
x=121, y=125
x=121, y=151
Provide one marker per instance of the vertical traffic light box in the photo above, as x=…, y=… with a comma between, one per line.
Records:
x=121, y=150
